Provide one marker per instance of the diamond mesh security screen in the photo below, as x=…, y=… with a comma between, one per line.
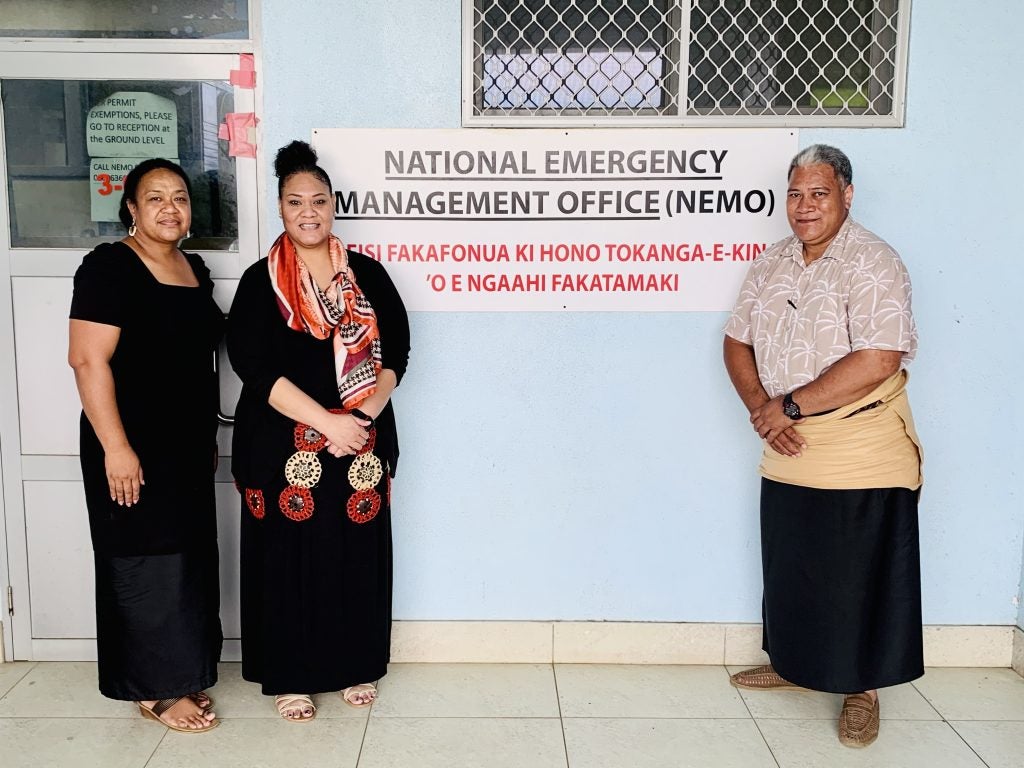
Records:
x=779, y=61
x=557, y=55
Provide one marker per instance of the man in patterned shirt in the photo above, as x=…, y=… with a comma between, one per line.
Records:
x=817, y=348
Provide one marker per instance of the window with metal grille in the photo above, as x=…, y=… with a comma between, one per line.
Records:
x=747, y=62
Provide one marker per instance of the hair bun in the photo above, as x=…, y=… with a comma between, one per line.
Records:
x=292, y=157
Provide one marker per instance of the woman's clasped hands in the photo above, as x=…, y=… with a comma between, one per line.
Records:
x=346, y=434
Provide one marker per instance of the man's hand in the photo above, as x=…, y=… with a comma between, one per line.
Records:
x=774, y=426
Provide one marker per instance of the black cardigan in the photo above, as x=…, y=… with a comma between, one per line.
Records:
x=262, y=349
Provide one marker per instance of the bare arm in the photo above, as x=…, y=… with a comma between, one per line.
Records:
x=375, y=403
x=346, y=434
x=846, y=381
x=91, y=346
x=742, y=368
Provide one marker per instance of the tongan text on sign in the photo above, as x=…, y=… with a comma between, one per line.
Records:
x=577, y=220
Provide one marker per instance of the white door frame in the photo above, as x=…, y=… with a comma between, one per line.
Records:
x=55, y=60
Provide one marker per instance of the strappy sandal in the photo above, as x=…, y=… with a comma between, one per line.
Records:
x=154, y=712
x=295, y=701
x=349, y=695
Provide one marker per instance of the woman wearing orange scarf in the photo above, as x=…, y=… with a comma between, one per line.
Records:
x=320, y=338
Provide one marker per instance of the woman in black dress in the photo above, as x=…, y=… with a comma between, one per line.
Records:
x=144, y=327
x=320, y=339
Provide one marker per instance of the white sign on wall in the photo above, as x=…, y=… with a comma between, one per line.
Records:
x=610, y=219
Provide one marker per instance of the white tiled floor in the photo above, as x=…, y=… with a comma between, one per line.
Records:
x=520, y=716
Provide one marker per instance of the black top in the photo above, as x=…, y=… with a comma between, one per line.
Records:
x=262, y=349
x=166, y=393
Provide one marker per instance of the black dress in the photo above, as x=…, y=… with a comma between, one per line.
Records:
x=158, y=627
x=315, y=588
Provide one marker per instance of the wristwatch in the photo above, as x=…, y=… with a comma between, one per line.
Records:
x=790, y=408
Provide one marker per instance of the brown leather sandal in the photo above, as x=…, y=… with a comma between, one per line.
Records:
x=202, y=699
x=154, y=712
x=859, y=720
x=762, y=679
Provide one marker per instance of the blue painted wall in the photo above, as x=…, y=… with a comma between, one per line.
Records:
x=542, y=477
x=1020, y=598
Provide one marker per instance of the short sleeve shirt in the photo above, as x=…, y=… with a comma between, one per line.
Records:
x=800, y=319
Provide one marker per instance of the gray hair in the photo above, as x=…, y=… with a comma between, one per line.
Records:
x=823, y=154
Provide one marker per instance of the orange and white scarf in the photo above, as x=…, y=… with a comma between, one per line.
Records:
x=342, y=312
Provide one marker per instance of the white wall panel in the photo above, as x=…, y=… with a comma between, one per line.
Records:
x=60, y=562
x=61, y=566
x=230, y=384
x=228, y=507
x=48, y=405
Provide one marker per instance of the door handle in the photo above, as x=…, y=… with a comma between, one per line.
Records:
x=223, y=419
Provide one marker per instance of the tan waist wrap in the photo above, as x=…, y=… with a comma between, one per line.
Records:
x=876, y=448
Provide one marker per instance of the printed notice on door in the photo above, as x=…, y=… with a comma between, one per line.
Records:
x=122, y=130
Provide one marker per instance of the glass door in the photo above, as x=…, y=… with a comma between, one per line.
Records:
x=71, y=126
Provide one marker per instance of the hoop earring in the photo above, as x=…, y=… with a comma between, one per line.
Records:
x=132, y=229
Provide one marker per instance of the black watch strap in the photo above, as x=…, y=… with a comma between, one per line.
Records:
x=360, y=415
x=790, y=408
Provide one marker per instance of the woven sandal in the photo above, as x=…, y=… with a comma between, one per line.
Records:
x=762, y=679
x=859, y=721
x=349, y=695
x=154, y=712
x=295, y=702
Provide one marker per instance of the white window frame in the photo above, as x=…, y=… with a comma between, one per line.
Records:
x=140, y=45
x=28, y=261
x=895, y=120
x=125, y=45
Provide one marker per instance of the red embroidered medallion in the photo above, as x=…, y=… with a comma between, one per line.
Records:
x=363, y=506
x=308, y=439
x=371, y=441
x=296, y=503
x=254, y=500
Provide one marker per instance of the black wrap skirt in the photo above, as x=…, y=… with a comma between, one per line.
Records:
x=158, y=624
x=842, y=586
